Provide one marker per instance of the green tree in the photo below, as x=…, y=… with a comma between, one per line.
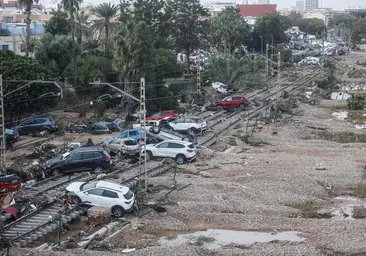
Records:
x=54, y=53
x=237, y=73
x=359, y=30
x=98, y=66
x=270, y=26
x=28, y=7
x=105, y=25
x=188, y=24
x=27, y=100
x=294, y=17
x=229, y=30
x=59, y=24
x=165, y=65
x=133, y=51
x=72, y=7
x=312, y=26
x=81, y=26
x=156, y=16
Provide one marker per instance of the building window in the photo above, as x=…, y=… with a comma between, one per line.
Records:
x=5, y=47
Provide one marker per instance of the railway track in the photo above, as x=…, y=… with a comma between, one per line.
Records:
x=42, y=221
x=235, y=117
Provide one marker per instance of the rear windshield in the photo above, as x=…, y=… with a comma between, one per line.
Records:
x=87, y=186
x=106, y=154
x=128, y=195
x=191, y=146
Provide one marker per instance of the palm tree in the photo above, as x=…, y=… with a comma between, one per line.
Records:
x=27, y=4
x=106, y=12
x=81, y=27
x=72, y=7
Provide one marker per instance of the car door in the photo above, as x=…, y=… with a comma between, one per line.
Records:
x=110, y=198
x=228, y=102
x=174, y=149
x=235, y=102
x=74, y=163
x=161, y=150
x=38, y=125
x=26, y=126
x=88, y=161
x=188, y=123
x=114, y=145
x=93, y=196
x=178, y=125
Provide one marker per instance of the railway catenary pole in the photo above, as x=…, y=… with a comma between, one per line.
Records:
x=278, y=75
x=143, y=126
x=199, y=74
x=2, y=123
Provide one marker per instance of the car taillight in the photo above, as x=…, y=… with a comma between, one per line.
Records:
x=108, y=159
x=52, y=123
x=14, y=136
x=110, y=132
x=189, y=150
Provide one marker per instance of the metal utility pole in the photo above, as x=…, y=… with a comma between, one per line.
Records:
x=199, y=75
x=2, y=135
x=323, y=52
x=278, y=75
x=267, y=60
x=143, y=124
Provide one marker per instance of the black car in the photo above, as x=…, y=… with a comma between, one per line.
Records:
x=36, y=124
x=82, y=159
x=98, y=128
x=12, y=136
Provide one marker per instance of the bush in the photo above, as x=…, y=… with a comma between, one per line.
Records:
x=356, y=102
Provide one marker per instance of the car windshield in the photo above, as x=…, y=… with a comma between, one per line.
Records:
x=87, y=186
x=156, y=115
x=191, y=146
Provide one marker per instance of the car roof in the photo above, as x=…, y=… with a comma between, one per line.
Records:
x=110, y=185
x=192, y=117
x=178, y=141
x=86, y=149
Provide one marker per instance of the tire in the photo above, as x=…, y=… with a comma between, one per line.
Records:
x=194, y=130
x=56, y=172
x=120, y=154
x=98, y=170
x=76, y=200
x=241, y=106
x=117, y=211
x=220, y=107
x=149, y=154
x=180, y=159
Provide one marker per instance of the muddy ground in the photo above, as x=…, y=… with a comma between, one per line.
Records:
x=303, y=174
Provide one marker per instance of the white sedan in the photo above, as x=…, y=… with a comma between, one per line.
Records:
x=105, y=194
x=181, y=151
x=195, y=124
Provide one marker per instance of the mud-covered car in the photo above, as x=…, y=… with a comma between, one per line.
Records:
x=125, y=147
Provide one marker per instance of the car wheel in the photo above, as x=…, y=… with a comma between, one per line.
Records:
x=117, y=211
x=193, y=130
x=241, y=106
x=120, y=154
x=180, y=159
x=220, y=107
x=149, y=154
x=76, y=200
x=98, y=170
x=56, y=172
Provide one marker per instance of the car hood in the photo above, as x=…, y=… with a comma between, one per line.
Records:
x=149, y=146
x=74, y=187
x=53, y=160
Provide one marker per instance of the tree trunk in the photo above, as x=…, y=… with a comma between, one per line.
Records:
x=72, y=20
x=106, y=37
x=188, y=66
x=27, y=30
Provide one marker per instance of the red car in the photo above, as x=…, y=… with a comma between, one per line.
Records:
x=9, y=183
x=231, y=102
x=164, y=115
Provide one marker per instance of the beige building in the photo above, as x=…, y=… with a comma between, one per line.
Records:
x=322, y=14
x=12, y=43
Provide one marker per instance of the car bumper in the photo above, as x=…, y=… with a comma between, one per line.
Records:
x=191, y=159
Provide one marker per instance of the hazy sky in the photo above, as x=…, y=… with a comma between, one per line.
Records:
x=335, y=4
x=281, y=4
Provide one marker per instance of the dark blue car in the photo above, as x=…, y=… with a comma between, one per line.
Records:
x=36, y=124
